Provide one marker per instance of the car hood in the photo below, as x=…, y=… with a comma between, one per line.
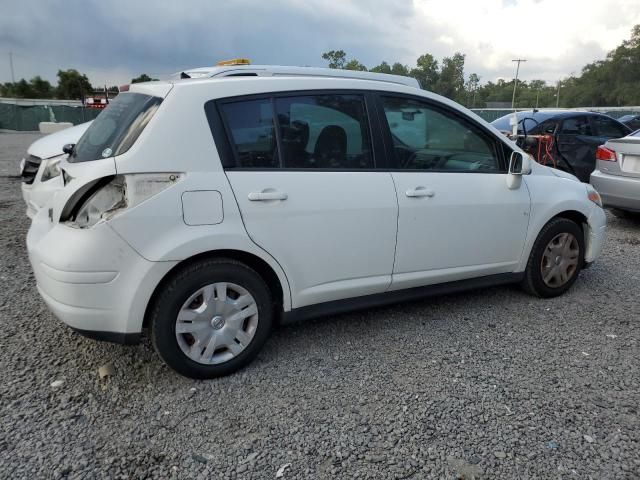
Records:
x=51, y=145
x=562, y=174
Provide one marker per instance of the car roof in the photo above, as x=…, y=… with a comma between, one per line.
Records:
x=283, y=70
x=540, y=116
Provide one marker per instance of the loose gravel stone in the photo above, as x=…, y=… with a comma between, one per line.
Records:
x=391, y=392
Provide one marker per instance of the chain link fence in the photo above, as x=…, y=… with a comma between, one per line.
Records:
x=27, y=117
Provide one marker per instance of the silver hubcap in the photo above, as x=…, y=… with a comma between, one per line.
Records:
x=216, y=323
x=560, y=260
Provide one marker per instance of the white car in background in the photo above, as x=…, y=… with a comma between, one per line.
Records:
x=617, y=175
x=40, y=169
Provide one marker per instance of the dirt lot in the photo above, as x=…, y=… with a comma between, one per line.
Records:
x=491, y=383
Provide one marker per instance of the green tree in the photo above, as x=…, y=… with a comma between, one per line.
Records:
x=400, y=69
x=354, y=64
x=23, y=89
x=336, y=58
x=7, y=89
x=143, y=78
x=472, y=89
x=451, y=81
x=384, y=67
x=73, y=85
x=426, y=71
x=41, y=88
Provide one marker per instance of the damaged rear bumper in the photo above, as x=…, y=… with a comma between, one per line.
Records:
x=91, y=279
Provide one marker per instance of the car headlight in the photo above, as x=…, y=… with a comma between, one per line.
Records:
x=593, y=195
x=51, y=169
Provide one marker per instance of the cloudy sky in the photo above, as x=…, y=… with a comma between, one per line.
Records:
x=113, y=40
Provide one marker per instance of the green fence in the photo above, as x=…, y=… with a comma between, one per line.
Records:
x=27, y=117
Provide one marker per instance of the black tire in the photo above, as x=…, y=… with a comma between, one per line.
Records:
x=533, y=282
x=625, y=214
x=177, y=289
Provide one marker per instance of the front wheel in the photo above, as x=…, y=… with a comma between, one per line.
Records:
x=211, y=318
x=556, y=259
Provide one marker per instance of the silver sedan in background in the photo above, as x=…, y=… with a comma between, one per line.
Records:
x=617, y=175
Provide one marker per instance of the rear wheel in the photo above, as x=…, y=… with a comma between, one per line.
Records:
x=211, y=318
x=556, y=259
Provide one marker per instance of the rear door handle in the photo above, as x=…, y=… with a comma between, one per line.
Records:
x=267, y=195
x=420, y=192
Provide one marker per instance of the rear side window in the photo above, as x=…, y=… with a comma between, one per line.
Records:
x=252, y=131
x=324, y=131
x=328, y=131
x=607, y=127
x=117, y=127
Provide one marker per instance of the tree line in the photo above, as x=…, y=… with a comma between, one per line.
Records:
x=614, y=81
x=72, y=85
x=611, y=82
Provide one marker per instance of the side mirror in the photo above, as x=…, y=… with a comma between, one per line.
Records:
x=516, y=162
x=68, y=148
x=519, y=165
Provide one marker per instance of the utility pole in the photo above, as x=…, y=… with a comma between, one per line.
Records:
x=515, y=84
x=558, y=95
x=13, y=77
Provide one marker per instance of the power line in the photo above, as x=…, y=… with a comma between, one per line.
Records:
x=515, y=84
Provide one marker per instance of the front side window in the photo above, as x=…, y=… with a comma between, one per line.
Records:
x=117, y=127
x=324, y=131
x=576, y=126
x=427, y=138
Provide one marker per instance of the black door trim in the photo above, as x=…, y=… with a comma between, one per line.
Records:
x=397, y=296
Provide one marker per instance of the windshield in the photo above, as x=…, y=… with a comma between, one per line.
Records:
x=116, y=128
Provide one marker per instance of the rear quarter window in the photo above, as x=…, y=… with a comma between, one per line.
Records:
x=117, y=127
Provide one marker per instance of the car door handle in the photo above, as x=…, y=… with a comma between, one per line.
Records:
x=267, y=195
x=420, y=192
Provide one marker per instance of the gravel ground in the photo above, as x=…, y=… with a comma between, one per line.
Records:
x=491, y=383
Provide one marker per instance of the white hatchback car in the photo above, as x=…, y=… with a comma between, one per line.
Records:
x=207, y=209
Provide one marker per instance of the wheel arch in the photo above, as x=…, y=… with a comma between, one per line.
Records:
x=576, y=216
x=276, y=287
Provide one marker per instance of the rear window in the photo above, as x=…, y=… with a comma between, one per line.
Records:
x=117, y=127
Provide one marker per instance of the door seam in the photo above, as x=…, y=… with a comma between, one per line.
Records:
x=395, y=250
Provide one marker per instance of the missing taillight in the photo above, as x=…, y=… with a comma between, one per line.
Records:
x=111, y=195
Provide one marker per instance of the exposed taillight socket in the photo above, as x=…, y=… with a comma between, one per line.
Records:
x=605, y=154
